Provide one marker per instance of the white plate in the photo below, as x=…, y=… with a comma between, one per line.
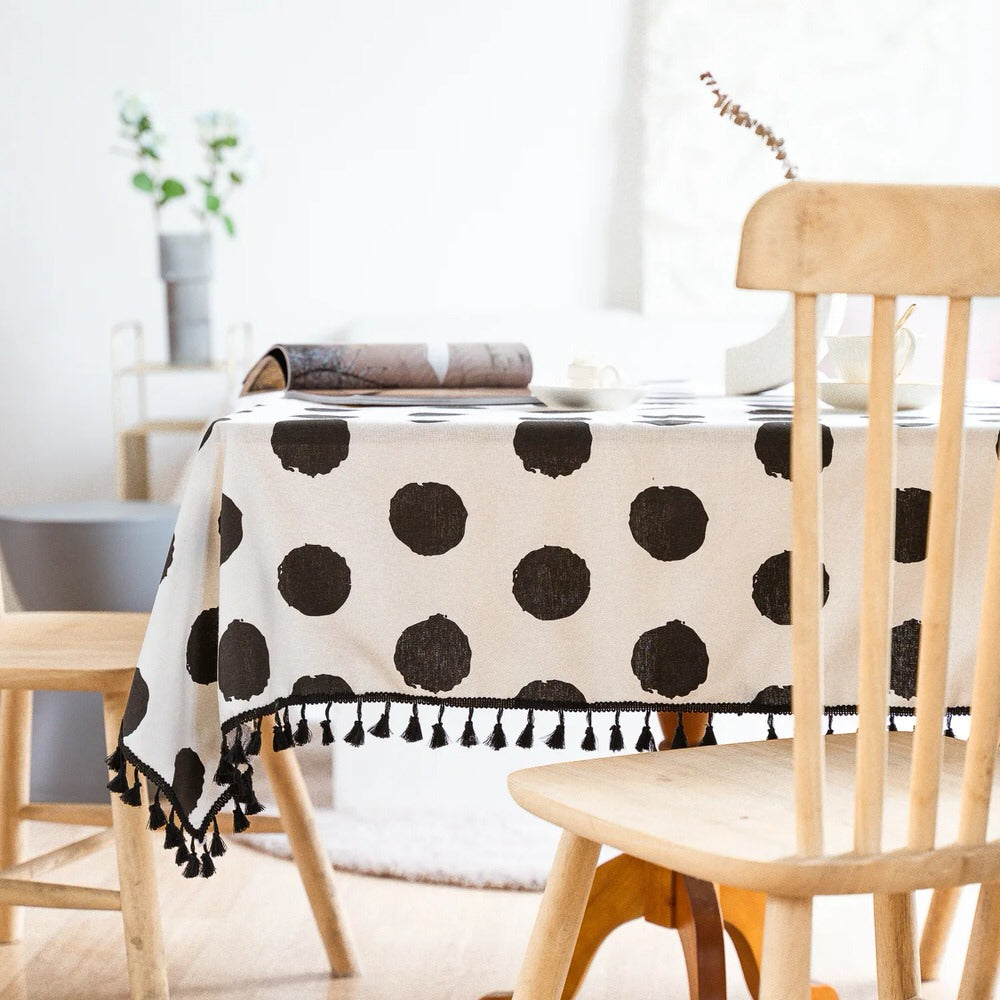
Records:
x=854, y=395
x=565, y=397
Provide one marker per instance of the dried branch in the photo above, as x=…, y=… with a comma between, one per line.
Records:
x=728, y=108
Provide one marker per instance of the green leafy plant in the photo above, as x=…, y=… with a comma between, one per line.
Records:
x=219, y=135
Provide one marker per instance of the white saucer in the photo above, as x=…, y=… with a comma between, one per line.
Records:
x=566, y=397
x=854, y=395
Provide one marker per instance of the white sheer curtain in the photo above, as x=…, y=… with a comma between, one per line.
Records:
x=860, y=90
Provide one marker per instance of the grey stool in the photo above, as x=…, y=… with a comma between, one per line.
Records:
x=92, y=555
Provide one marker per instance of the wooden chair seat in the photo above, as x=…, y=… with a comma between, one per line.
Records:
x=69, y=650
x=735, y=829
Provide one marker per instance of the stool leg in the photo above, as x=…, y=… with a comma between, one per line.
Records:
x=147, y=969
x=15, y=776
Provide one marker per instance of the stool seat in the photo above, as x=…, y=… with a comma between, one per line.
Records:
x=70, y=650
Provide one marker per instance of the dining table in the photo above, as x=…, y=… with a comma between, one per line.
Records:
x=465, y=571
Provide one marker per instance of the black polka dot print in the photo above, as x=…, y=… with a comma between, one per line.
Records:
x=429, y=518
x=772, y=586
x=912, y=511
x=209, y=429
x=671, y=660
x=773, y=446
x=904, y=650
x=169, y=559
x=137, y=704
x=201, y=656
x=230, y=528
x=669, y=522
x=555, y=447
x=244, y=662
x=328, y=686
x=314, y=580
x=776, y=697
x=189, y=778
x=551, y=582
x=433, y=654
x=312, y=447
x=557, y=692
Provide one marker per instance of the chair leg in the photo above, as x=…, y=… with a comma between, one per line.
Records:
x=550, y=948
x=983, y=957
x=311, y=858
x=896, y=947
x=784, y=970
x=147, y=968
x=15, y=776
x=937, y=927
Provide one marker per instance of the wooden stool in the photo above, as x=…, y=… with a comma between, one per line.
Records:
x=74, y=651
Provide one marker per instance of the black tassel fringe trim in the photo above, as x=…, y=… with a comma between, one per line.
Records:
x=195, y=851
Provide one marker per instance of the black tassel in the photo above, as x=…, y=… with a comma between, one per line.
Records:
x=157, y=820
x=302, y=734
x=556, y=740
x=252, y=806
x=240, y=821
x=207, y=865
x=280, y=740
x=469, y=738
x=381, y=728
x=117, y=759
x=413, y=733
x=829, y=724
x=498, y=738
x=172, y=835
x=589, y=737
x=183, y=855
x=356, y=737
x=948, y=731
x=439, y=738
x=680, y=741
x=892, y=723
x=326, y=728
x=527, y=738
x=237, y=755
x=193, y=868
x=287, y=737
x=119, y=783
x=253, y=743
x=133, y=797
x=218, y=846
x=771, y=733
x=617, y=742
x=225, y=773
x=645, y=742
x=709, y=740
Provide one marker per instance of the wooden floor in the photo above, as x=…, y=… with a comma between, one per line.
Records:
x=247, y=935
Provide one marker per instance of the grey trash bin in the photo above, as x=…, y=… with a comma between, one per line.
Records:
x=80, y=556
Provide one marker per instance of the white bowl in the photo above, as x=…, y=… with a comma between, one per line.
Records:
x=567, y=397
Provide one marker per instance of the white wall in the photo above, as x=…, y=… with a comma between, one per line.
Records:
x=446, y=156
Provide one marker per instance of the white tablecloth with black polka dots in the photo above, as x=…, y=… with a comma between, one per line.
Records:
x=454, y=563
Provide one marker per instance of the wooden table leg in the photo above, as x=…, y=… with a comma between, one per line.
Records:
x=293, y=803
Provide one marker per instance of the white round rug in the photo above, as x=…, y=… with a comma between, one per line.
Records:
x=478, y=849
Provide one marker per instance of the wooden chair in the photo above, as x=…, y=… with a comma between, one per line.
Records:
x=97, y=651
x=872, y=812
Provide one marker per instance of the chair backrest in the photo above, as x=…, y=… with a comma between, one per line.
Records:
x=884, y=241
